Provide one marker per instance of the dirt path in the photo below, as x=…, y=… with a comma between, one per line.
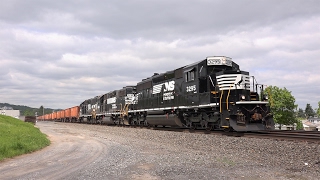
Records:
x=69, y=152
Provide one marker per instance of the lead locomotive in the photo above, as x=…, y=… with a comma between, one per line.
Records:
x=210, y=94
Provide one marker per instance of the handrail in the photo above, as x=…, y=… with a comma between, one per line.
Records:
x=221, y=101
x=124, y=111
x=227, y=100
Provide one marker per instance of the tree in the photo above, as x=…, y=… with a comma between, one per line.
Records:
x=299, y=125
x=301, y=114
x=318, y=110
x=282, y=104
x=40, y=111
x=28, y=113
x=309, y=111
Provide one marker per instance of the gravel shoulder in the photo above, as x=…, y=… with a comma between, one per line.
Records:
x=80, y=151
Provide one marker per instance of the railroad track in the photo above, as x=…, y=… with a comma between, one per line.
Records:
x=284, y=135
x=304, y=136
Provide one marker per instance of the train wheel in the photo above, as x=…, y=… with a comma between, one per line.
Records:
x=192, y=126
x=209, y=128
x=135, y=124
x=146, y=124
x=204, y=124
x=228, y=129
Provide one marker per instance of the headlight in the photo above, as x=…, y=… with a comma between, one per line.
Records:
x=265, y=97
x=242, y=97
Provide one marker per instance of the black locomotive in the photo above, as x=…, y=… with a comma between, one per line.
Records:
x=210, y=94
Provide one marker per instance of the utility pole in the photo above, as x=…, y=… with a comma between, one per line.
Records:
x=42, y=113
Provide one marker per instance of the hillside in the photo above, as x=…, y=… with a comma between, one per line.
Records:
x=26, y=110
x=18, y=137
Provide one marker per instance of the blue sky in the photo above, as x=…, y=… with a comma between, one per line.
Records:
x=59, y=53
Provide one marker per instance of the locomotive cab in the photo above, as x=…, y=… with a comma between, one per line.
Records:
x=218, y=96
x=240, y=106
x=90, y=110
x=117, y=105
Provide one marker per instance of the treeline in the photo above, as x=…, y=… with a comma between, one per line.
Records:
x=284, y=109
x=308, y=111
x=29, y=111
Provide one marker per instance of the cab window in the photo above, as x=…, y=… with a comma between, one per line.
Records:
x=190, y=76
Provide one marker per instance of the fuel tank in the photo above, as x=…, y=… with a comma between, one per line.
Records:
x=84, y=120
x=164, y=119
x=108, y=120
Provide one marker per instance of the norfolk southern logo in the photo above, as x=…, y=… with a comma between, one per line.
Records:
x=168, y=88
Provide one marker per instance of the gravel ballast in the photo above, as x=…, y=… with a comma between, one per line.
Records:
x=152, y=154
x=81, y=151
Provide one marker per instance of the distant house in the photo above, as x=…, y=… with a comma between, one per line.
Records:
x=8, y=111
x=12, y=113
x=315, y=120
x=285, y=127
x=311, y=124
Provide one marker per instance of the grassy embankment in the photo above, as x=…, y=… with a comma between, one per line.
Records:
x=18, y=137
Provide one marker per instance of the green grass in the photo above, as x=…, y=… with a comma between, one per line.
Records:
x=18, y=137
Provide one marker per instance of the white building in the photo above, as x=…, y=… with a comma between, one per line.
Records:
x=311, y=124
x=285, y=127
x=10, y=112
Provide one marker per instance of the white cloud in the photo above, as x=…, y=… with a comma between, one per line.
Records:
x=59, y=54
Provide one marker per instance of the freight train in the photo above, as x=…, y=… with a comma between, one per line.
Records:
x=213, y=93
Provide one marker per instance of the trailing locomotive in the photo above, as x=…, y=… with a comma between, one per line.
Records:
x=210, y=94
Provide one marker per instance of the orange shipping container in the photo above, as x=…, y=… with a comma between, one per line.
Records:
x=67, y=113
x=58, y=115
x=75, y=112
x=52, y=119
x=62, y=115
x=54, y=115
